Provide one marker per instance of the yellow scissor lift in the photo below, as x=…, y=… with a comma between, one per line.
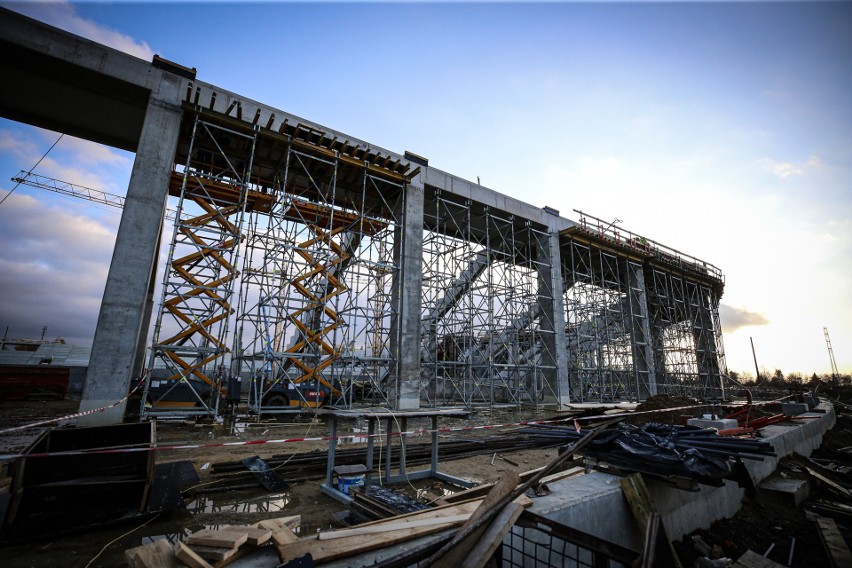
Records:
x=318, y=284
x=214, y=194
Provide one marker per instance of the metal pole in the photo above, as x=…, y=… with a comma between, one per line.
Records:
x=756, y=370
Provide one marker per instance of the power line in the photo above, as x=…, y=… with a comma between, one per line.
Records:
x=32, y=168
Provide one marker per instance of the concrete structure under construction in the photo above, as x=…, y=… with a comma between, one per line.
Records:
x=327, y=269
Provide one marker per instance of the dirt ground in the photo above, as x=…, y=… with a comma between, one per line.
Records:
x=105, y=548
x=759, y=524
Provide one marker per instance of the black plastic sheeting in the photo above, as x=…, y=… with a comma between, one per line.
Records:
x=666, y=450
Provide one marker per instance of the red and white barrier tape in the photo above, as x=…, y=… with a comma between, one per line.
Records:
x=359, y=436
x=70, y=416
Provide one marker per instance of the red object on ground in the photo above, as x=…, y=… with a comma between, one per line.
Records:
x=21, y=382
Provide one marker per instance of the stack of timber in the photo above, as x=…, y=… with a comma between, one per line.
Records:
x=213, y=548
x=344, y=543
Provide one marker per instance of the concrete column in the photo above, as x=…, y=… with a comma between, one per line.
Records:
x=125, y=306
x=142, y=343
x=640, y=332
x=706, y=349
x=550, y=289
x=407, y=293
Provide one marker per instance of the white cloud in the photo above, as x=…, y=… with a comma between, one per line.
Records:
x=736, y=318
x=86, y=152
x=63, y=15
x=815, y=162
x=20, y=147
x=93, y=164
x=784, y=170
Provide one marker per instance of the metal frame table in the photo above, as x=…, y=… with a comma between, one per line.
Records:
x=373, y=416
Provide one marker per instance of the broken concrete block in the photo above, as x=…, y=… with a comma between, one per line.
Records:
x=795, y=490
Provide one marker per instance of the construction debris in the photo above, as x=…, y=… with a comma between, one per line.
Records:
x=213, y=548
x=665, y=450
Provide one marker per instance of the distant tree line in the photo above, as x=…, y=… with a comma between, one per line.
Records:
x=779, y=380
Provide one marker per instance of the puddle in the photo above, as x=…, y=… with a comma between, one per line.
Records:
x=273, y=503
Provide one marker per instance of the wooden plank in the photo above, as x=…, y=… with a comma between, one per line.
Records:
x=480, y=491
x=291, y=522
x=254, y=536
x=642, y=506
x=571, y=472
x=837, y=487
x=154, y=555
x=284, y=536
x=188, y=556
x=483, y=550
x=650, y=544
x=218, y=538
x=434, y=512
x=406, y=524
x=638, y=499
x=214, y=553
x=327, y=550
x=504, y=487
x=832, y=540
x=752, y=559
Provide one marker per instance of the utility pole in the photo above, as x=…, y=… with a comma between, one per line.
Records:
x=830, y=354
x=756, y=370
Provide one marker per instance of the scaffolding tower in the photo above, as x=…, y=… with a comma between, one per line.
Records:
x=280, y=274
x=191, y=331
x=642, y=318
x=481, y=322
x=284, y=287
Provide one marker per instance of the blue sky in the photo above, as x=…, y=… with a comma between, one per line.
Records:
x=723, y=130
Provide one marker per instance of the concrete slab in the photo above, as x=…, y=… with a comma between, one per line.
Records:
x=794, y=408
x=718, y=424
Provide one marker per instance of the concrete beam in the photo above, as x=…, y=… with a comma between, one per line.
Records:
x=458, y=186
x=125, y=308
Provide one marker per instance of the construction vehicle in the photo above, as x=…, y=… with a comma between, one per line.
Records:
x=287, y=394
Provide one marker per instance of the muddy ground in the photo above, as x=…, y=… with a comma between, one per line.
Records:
x=762, y=522
x=105, y=548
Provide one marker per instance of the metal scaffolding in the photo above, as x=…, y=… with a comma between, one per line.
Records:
x=191, y=329
x=316, y=304
x=285, y=279
x=642, y=318
x=687, y=336
x=482, y=307
x=281, y=271
x=605, y=319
